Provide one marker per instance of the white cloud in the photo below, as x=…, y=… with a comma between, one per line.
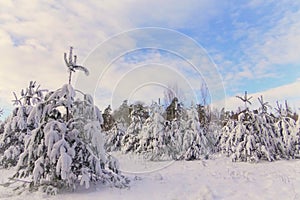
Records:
x=276, y=45
x=174, y=15
x=265, y=38
x=34, y=34
x=149, y=73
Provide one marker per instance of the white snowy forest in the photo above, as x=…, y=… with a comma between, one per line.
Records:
x=58, y=142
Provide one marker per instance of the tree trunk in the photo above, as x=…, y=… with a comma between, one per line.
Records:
x=70, y=75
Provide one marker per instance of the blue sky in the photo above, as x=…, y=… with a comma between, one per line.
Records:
x=254, y=44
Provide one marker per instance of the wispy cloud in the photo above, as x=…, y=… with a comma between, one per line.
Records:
x=149, y=72
x=264, y=38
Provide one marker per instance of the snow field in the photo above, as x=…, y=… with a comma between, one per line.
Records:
x=216, y=178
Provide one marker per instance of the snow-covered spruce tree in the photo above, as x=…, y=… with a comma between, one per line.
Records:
x=245, y=138
x=238, y=139
x=174, y=110
x=155, y=137
x=235, y=132
x=1, y=124
x=225, y=142
x=108, y=120
x=272, y=145
x=1, y=112
x=285, y=131
x=297, y=132
x=130, y=141
x=268, y=145
x=12, y=140
x=251, y=138
x=113, y=137
x=17, y=127
x=175, y=130
x=123, y=113
x=67, y=147
x=214, y=130
x=195, y=141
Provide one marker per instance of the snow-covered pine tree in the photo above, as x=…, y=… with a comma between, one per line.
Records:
x=224, y=142
x=1, y=113
x=108, y=120
x=17, y=126
x=1, y=124
x=176, y=132
x=236, y=135
x=65, y=150
x=297, y=132
x=115, y=135
x=174, y=110
x=239, y=139
x=12, y=140
x=214, y=129
x=138, y=115
x=155, y=139
x=270, y=147
x=145, y=136
x=195, y=141
x=123, y=113
x=285, y=130
x=252, y=137
x=1, y=127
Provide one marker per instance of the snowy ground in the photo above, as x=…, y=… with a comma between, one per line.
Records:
x=218, y=178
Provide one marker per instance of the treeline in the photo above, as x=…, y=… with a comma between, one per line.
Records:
x=177, y=132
